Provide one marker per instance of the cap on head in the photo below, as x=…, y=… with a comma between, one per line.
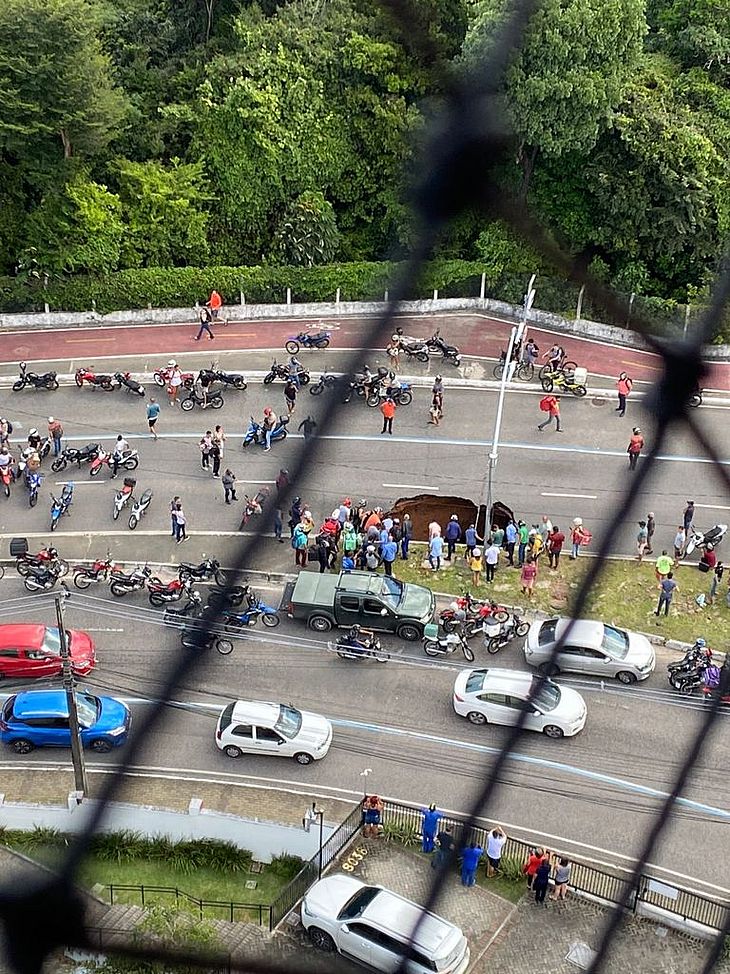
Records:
x=454, y=517
x=51, y=419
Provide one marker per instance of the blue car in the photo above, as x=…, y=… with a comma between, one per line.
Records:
x=39, y=718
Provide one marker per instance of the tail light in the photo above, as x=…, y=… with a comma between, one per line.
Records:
x=217, y=733
x=458, y=698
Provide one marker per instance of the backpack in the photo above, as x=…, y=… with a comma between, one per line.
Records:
x=545, y=403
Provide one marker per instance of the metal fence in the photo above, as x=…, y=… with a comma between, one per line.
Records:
x=206, y=909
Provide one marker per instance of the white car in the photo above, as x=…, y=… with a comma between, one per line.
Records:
x=273, y=729
x=378, y=928
x=497, y=696
x=592, y=647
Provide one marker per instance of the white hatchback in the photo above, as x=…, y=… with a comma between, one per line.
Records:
x=593, y=648
x=498, y=696
x=381, y=929
x=273, y=729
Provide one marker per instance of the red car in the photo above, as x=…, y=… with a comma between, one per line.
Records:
x=29, y=649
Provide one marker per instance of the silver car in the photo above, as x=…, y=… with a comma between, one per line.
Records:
x=592, y=648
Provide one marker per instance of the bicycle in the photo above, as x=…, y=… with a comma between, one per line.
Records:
x=524, y=371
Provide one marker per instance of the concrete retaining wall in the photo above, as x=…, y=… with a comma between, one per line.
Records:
x=264, y=839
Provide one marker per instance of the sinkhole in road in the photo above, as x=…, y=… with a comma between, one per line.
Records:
x=424, y=508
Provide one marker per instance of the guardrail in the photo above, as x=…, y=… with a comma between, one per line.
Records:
x=208, y=909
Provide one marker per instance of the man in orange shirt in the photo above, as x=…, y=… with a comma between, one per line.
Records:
x=215, y=303
x=636, y=445
x=388, y=411
x=553, y=411
x=624, y=385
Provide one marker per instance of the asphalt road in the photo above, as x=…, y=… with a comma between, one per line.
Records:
x=600, y=788
x=580, y=472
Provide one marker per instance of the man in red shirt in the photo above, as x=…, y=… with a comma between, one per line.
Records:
x=636, y=445
x=555, y=541
x=215, y=303
x=624, y=385
x=553, y=411
x=388, y=411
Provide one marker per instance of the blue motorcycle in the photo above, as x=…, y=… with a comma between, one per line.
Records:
x=237, y=622
x=306, y=339
x=399, y=392
x=33, y=481
x=60, y=506
x=255, y=432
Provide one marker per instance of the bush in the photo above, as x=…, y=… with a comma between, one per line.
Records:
x=406, y=835
x=39, y=837
x=285, y=866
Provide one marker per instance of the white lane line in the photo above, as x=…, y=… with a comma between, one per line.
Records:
x=713, y=507
x=412, y=486
x=258, y=482
x=590, y=497
x=79, y=483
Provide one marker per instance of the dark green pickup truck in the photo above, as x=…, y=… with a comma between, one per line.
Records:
x=359, y=598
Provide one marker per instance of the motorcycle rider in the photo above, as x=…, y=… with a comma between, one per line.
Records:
x=120, y=448
x=34, y=439
x=267, y=426
x=354, y=641
x=295, y=367
x=6, y=461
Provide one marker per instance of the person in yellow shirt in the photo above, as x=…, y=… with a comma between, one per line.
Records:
x=536, y=546
x=476, y=564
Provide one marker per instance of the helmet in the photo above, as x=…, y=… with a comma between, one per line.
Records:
x=355, y=628
x=51, y=419
x=370, y=549
x=347, y=502
x=454, y=606
x=297, y=500
x=710, y=547
x=268, y=411
x=454, y=517
x=637, y=429
x=437, y=379
x=700, y=642
x=33, y=432
x=172, y=363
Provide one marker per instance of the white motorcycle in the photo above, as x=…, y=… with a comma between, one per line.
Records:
x=712, y=537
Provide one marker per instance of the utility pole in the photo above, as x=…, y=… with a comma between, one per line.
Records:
x=77, y=751
x=319, y=812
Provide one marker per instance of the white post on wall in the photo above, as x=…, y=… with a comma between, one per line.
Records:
x=483, y=286
x=435, y=294
x=686, y=320
x=288, y=295
x=243, y=298
x=337, y=296
x=579, y=308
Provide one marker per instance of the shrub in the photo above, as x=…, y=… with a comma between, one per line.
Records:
x=510, y=868
x=406, y=835
x=124, y=846
x=285, y=866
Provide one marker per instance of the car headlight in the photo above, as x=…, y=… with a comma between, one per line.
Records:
x=117, y=731
x=305, y=911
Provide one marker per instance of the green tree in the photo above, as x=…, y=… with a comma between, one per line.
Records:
x=164, y=209
x=568, y=75
x=77, y=229
x=56, y=91
x=695, y=32
x=307, y=234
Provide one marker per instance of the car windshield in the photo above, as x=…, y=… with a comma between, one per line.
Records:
x=51, y=644
x=547, y=697
x=289, y=722
x=88, y=708
x=615, y=642
x=547, y=632
x=392, y=590
x=475, y=681
x=358, y=903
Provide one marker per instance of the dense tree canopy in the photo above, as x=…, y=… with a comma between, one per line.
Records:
x=152, y=133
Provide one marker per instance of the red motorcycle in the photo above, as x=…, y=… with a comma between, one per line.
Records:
x=7, y=477
x=84, y=575
x=45, y=558
x=162, y=377
x=104, y=382
x=129, y=460
x=476, y=610
x=161, y=592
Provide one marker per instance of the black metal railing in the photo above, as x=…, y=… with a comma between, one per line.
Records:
x=206, y=909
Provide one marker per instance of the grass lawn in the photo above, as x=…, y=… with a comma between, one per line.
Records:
x=508, y=889
x=202, y=883
x=625, y=595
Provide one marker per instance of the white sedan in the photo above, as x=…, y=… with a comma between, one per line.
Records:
x=273, y=729
x=593, y=648
x=498, y=696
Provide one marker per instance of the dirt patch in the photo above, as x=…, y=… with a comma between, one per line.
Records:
x=425, y=508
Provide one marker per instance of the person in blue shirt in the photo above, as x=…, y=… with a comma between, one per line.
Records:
x=472, y=540
x=348, y=564
x=430, y=826
x=453, y=534
x=435, y=550
x=470, y=862
x=153, y=411
x=388, y=554
x=510, y=539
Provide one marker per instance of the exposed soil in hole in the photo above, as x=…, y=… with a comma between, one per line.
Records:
x=424, y=508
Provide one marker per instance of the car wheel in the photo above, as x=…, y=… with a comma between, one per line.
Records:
x=22, y=746
x=321, y=940
x=476, y=718
x=100, y=746
x=231, y=751
x=302, y=758
x=625, y=677
x=320, y=624
x=552, y=730
x=549, y=669
x=408, y=632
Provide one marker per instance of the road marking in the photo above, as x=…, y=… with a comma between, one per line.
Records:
x=87, y=341
x=412, y=486
x=79, y=483
x=713, y=507
x=240, y=334
x=255, y=481
x=86, y=629
x=589, y=497
x=642, y=365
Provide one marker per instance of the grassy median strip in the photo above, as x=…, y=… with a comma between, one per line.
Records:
x=626, y=593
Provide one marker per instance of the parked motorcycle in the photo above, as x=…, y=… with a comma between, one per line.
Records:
x=278, y=371
x=41, y=578
x=46, y=557
x=399, y=392
x=33, y=481
x=122, y=583
x=361, y=644
x=225, y=598
x=363, y=383
x=83, y=454
x=306, y=339
x=234, y=379
x=87, y=377
x=255, y=432
x=160, y=593
x=255, y=609
x=162, y=376
x=694, y=660
x=505, y=633
x=713, y=537
x=99, y=571
x=191, y=609
x=252, y=506
x=476, y=612
x=129, y=461
x=450, y=353
x=139, y=509
x=123, y=496
x=438, y=642
x=200, y=638
x=413, y=347
x=325, y=381
x=124, y=379
x=45, y=380
x=214, y=400
x=566, y=381
x=61, y=506
x=207, y=569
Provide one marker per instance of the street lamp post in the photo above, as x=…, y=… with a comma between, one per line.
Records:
x=364, y=774
x=319, y=812
x=77, y=751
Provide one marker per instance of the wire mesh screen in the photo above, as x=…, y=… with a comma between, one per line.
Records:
x=467, y=140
